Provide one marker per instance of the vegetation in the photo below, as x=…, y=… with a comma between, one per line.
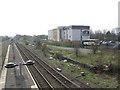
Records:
x=63, y=44
x=76, y=48
x=89, y=58
x=101, y=80
x=30, y=38
x=38, y=44
x=94, y=48
x=96, y=79
x=5, y=44
x=105, y=35
x=102, y=55
x=26, y=43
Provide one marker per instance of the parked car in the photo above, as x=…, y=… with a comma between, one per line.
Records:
x=105, y=42
x=88, y=43
x=112, y=42
x=99, y=43
x=29, y=62
x=10, y=65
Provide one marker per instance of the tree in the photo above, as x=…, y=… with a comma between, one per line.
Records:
x=26, y=43
x=44, y=49
x=94, y=48
x=108, y=36
x=5, y=38
x=17, y=37
x=76, y=48
x=38, y=44
x=119, y=37
x=97, y=35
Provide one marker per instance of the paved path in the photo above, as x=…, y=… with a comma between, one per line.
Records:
x=4, y=71
x=72, y=49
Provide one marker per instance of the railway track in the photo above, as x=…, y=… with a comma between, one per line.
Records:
x=41, y=80
x=47, y=75
x=51, y=79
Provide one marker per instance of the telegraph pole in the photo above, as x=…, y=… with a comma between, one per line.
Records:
x=81, y=39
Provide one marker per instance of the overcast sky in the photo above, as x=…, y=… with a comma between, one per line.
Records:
x=36, y=17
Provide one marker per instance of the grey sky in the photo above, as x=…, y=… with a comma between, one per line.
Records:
x=35, y=17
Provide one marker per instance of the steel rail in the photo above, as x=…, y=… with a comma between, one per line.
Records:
x=61, y=78
x=42, y=82
x=55, y=72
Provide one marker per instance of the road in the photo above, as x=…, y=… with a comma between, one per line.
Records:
x=72, y=49
x=15, y=79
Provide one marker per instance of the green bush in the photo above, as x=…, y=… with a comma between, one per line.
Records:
x=60, y=44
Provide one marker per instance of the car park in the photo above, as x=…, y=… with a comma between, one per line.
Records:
x=10, y=65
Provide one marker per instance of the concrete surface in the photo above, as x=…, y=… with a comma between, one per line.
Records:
x=11, y=77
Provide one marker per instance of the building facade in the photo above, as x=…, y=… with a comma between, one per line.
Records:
x=50, y=35
x=72, y=33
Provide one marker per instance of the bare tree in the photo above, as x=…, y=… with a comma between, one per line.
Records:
x=76, y=48
x=108, y=35
x=44, y=49
x=94, y=48
x=38, y=44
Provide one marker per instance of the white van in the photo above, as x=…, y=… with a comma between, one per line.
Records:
x=88, y=43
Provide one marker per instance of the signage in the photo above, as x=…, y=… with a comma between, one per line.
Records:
x=85, y=33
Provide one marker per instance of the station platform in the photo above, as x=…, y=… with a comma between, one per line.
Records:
x=16, y=77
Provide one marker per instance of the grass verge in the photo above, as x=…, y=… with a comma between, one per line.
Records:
x=95, y=80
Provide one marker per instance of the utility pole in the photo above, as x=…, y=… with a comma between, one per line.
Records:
x=81, y=40
x=20, y=66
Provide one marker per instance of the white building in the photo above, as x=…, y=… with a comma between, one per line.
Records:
x=72, y=33
x=50, y=34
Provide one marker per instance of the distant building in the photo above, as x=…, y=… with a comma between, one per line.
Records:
x=72, y=33
x=55, y=34
x=50, y=35
x=116, y=31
